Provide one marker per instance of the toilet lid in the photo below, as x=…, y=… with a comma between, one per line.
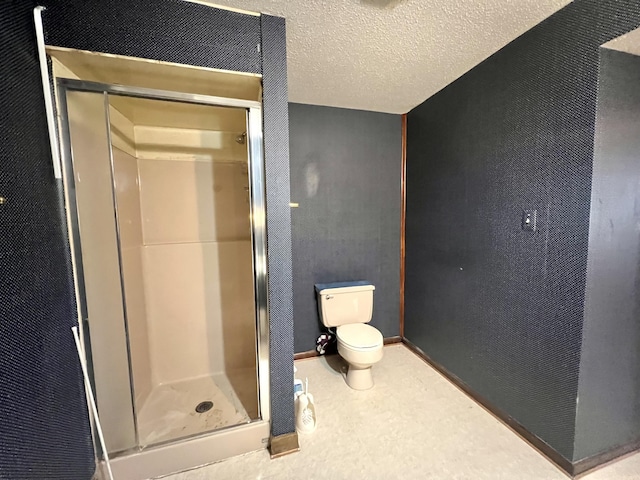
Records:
x=359, y=335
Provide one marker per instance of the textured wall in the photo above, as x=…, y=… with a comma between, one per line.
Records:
x=345, y=174
x=168, y=30
x=499, y=307
x=276, y=152
x=44, y=427
x=609, y=387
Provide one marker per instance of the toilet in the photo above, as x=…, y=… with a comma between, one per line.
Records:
x=349, y=306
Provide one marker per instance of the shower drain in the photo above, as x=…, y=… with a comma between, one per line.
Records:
x=204, y=406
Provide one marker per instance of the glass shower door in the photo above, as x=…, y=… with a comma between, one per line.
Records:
x=89, y=183
x=166, y=203
x=184, y=208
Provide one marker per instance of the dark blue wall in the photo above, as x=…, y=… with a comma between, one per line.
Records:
x=345, y=175
x=609, y=387
x=499, y=307
x=276, y=153
x=44, y=426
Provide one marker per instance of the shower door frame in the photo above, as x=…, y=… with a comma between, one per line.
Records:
x=257, y=216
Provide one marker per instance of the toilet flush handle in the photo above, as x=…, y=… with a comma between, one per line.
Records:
x=329, y=297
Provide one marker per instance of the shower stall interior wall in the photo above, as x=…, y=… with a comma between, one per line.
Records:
x=187, y=263
x=163, y=203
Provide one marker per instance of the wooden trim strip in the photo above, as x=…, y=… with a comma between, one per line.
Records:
x=307, y=354
x=392, y=340
x=403, y=218
x=545, y=449
x=595, y=462
x=573, y=469
x=282, y=445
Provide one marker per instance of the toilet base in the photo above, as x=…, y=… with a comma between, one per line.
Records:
x=359, y=378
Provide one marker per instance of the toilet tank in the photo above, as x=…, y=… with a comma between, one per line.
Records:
x=342, y=303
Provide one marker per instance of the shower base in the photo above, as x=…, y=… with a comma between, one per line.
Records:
x=169, y=412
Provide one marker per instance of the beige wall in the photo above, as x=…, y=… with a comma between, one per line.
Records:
x=122, y=135
x=161, y=143
x=198, y=270
x=193, y=201
x=130, y=222
x=92, y=169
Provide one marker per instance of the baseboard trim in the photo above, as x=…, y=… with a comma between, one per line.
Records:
x=314, y=353
x=282, y=445
x=307, y=354
x=545, y=449
x=573, y=469
x=392, y=340
x=595, y=462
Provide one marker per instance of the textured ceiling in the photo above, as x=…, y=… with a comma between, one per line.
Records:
x=628, y=43
x=391, y=55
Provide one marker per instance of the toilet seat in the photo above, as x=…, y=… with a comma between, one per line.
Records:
x=359, y=336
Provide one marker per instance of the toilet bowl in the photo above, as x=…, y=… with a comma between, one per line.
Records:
x=361, y=346
x=349, y=307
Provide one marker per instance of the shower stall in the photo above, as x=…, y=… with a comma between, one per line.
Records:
x=165, y=203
